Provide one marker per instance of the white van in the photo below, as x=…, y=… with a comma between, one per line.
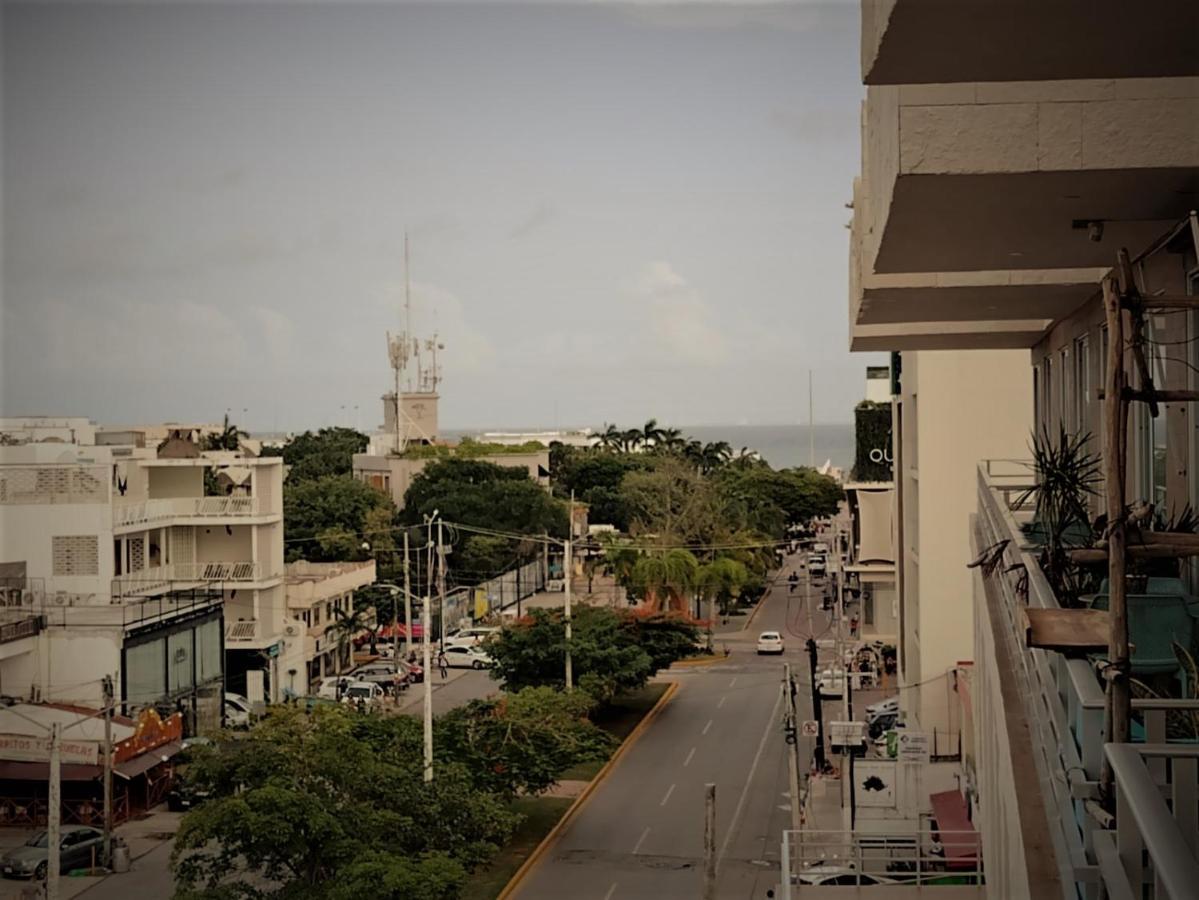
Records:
x=470, y=637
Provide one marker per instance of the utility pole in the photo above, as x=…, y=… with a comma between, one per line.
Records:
x=428, y=663
x=566, y=579
x=821, y=761
x=709, y=841
x=107, y=686
x=407, y=603
x=53, y=829
x=791, y=730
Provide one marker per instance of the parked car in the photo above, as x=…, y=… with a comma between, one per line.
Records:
x=331, y=686
x=362, y=692
x=879, y=726
x=386, y=673
x=80, y=846
x=238, y=711
x=817, y=566
x=466, y=657
x=415, y=673
x=470, y=637
x=770, y=642
x=831, y=875
x=888, y=707
x=832, y=684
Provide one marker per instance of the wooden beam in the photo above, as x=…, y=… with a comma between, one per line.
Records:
x=1163, y=396
x=1163, y=538
x=1071, y=631
x=1168, y=301
x=1135, y=551
x=1115, y=408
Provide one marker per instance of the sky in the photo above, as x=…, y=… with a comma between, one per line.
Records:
x=615, y=212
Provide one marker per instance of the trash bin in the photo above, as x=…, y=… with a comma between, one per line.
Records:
x=120, y=856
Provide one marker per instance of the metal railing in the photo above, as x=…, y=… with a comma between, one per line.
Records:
x=913, y=856
x=130, y=613
x=1064, y=710
x=146, y=511
x=243, y=630
x=160, y=578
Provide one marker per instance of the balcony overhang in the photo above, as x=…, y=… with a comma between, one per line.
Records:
x=944, y=41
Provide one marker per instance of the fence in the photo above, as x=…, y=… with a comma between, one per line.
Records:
x=508, y=589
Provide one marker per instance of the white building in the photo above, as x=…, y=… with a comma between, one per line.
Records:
x=54, y=429
x=318, y=596
x=137, y=570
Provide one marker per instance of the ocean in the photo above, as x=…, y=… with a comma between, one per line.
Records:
x=782, y=446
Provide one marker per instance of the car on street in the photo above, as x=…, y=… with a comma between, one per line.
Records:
x=840, y=875
x=832, y=684
x=238, y=711
x=817, y=566
x=466, y=657
x=470, y=637
x=770, y=642
x=80, y=848
x=888, y=707
x=331, y=686
x=362, y=692
x=878, y=727
x=388, y=674
x=415, y=673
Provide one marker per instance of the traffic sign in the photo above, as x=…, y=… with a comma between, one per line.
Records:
x=810, y=728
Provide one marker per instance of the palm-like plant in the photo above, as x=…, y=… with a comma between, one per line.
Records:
x=720, y=580
x=229, y=438
x=611, y=437
x=630, y=439
x=651, y=434
x=666, y=578
x=670, y=440
x=714, y=455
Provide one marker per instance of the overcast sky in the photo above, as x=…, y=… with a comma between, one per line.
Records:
x=615, y=212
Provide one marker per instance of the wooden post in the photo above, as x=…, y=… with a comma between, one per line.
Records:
x=710, y=841
x=1118, y=703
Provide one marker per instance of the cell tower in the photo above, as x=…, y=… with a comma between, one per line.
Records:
x=405, y=349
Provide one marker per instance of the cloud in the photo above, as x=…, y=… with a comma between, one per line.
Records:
x=834, y=124
x=680, y=321
x=541, y=216
x=790, y=15
x=277, y=333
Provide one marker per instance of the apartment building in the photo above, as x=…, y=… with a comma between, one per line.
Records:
x=139, y=567
x=1010, y=152
x=319, y=596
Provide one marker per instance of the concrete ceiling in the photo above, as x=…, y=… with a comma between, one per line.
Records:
x=940, y=41
x=892, y=305
x=948, y=336
x=959, y=223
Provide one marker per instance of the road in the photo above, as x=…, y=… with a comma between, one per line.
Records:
x=640, y=835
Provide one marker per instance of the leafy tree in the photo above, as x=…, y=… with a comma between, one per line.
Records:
x=229, y=437
x=611, y=651
x=721, y=580
x=329, y=451
x=325, y=517
x=305, y=799
x=675, y=504
x=482, y=556
x=522, y=741
x=665, y=579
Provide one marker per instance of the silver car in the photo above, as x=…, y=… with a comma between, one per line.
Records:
x=80, y=848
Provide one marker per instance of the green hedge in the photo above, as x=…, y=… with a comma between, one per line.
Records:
x=872, y=431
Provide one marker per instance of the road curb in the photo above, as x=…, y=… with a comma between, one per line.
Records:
x=754, y=611
x=540, y=850
x=699, y=662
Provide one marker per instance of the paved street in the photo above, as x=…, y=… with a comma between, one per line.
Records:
x=641, y=833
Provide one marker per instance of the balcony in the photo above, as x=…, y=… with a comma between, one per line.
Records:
x=1039, y=722
x=155, y=511
x=176, y=575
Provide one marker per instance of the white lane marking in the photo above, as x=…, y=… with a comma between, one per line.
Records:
x=641, y=840
x=669, y=791
x=688, y=759
x=706, y=727
x=720, y=703
x=611, y=891
x=749, y=778
x=733, y=683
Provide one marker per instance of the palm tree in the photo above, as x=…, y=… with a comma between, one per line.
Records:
x=715, y=455
x=610, y=437
x=630, y=440
x=651, y=434
x=619, y=561
x=665, y=579
x=229, y=438
x=671, y=440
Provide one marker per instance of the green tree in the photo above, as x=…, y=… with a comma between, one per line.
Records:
x=324, y=518
x=229, y=437
x=483, y=556
x=304, y=799
x=522, y=741
x=329, y=451
x=666, y=579
x=673, y=503
x=720, y=581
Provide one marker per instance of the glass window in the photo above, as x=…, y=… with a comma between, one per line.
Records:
x=208, y=651
x=1063, y=400
x=1048, y=388
x=1038, y=409
x=145, y=673
x=1082, y=385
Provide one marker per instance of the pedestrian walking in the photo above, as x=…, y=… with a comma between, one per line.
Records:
x=853, y=627
x=443, y=665
x=793, y=580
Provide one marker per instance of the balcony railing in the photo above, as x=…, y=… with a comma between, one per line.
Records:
x=177, y=574
x=1063, y=707
x=147, y=511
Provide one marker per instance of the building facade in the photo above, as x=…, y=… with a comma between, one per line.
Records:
x=319, y=596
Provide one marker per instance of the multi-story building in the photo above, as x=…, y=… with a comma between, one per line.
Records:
x=138, y=567
x=319, y=596
x=1010, y=152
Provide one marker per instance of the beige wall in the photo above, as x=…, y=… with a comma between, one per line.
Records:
x=960, y=407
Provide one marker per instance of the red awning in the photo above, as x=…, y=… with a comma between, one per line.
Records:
x=958, y=835
x=144, y=762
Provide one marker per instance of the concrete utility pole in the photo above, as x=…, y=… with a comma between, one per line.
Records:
x=107, y=686
x=428, y=658
x=566, y=579
x=792, y=734
x=709, y=842
x=407, y=602
x=53, y=829
x=440, y=585
x=821, y=761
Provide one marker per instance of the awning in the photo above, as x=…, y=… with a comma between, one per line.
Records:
x=144, y=762
x=958, y=837
x=11, y=770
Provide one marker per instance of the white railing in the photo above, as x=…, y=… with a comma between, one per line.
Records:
x=182, y=507
x=1064, y=707
x=178, y=574
x=244, y=630
x=906, y=856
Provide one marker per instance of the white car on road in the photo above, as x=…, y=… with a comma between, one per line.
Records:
x=770, y=642
x=469, y=637
x=466, y=657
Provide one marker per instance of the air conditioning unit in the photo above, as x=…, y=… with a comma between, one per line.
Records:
x=291, y=629
x=61, y=598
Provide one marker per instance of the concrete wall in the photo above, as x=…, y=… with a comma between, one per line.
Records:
x=960, y=407
x=215, y=544
x=176, y=481
x=27, y=532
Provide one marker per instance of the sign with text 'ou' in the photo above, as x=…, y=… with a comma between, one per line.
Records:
x=24, y=748
x=913, y=746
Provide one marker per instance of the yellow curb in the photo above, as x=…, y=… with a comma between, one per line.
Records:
x=698, y=662
x=540, y=850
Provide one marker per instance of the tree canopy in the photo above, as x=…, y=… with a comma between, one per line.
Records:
x=326, y=518
x=312, y=455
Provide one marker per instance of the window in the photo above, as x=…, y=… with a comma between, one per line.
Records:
x=1063, y=400
x=1082, y=385
x=1038, y=408
x=1048, y=388
x=75, y=554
